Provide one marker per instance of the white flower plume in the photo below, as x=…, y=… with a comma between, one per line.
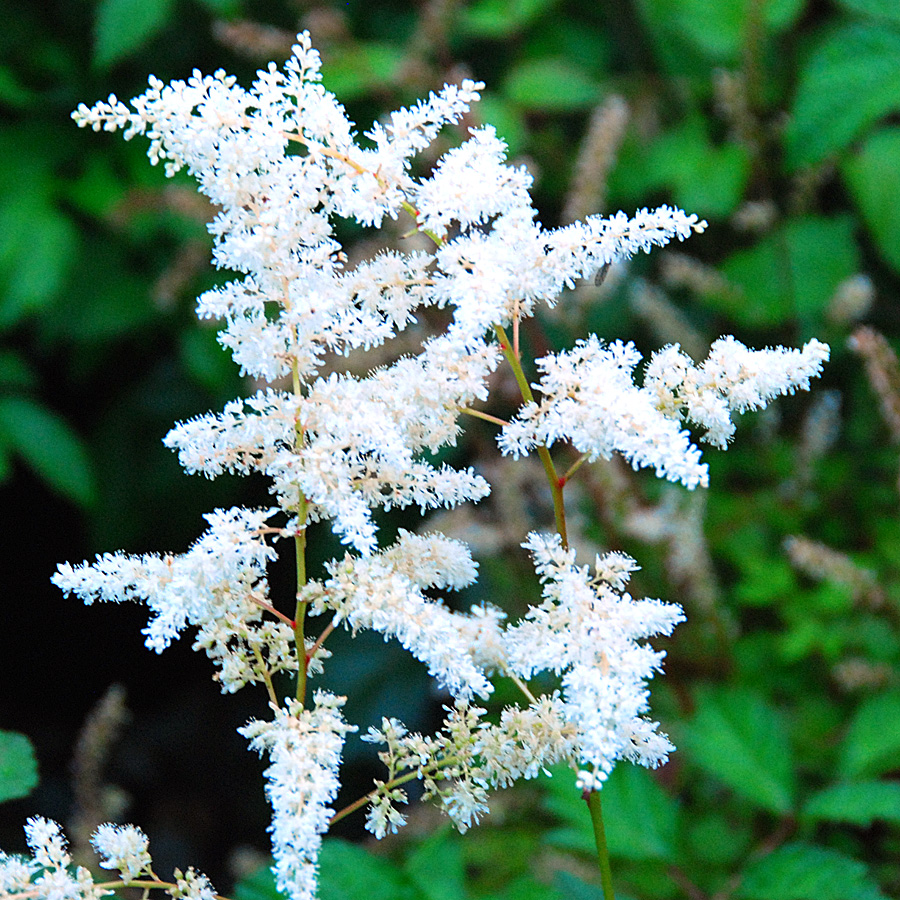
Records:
x=591, y=634
x=589, y=397
x=304, y=748
x=282, y=164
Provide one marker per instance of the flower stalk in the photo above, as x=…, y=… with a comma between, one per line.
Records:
x=336, y=447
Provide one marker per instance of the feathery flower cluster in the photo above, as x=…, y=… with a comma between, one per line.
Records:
x=304, y=746
x=282, y=164
x=590, y=632
x=48, y=872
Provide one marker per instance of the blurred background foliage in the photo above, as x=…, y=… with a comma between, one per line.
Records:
x=776, y=120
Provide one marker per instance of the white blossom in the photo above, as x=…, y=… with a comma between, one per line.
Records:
x=122, y=847
x=385, y=592
x=282, y=164
x=218, y=586
x=732, y=378
x=588, y=396
x=591, y=634
x=304, y=748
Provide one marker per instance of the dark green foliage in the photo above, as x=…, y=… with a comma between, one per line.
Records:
x=781, y=690
x=18, y=767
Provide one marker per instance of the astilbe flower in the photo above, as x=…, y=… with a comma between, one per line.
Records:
x=281, y=163
x=304, y=746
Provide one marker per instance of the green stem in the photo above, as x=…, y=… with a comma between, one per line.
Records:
x=556, y=483
x=300, y=611
x=267, y=678
x=390, y=785
x=300, y=553
x=559, y=511
x=593, y=802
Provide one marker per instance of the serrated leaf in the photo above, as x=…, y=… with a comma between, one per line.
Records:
x=500, y=18
x=807, y=872
x=349, y=872
x=872, y=743
x=258, y=885
x=858, y=803
x=871, y=175
x=639, y=816
x=851, y=80
x=718, y=30
x=436, y=867
x=550, y=84
x=18, y=766
x=49, y=446
x=354, y=72
x=888, y=10
x=739, y=738
x=792, y=271
x=122, y=26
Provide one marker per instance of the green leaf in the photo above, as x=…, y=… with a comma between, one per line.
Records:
x=208, y=362
x=506, y=117
x=349, y=872
x=639, y=816
x=888, y=10
x=224, y=8
x=18, y=767
x=49, y=446
x=122, y=26
x=346, y=872
x=13, y=92
x=738, y=737
x=355, y=71
x=564, y=802
x=501, y=18
x=793, y=271
x=871, y=175
x=16, y=371
x=872, y=743
x=554, y=84
x=807, y=872
x=859, y=803
x=851, y=80
x=718, y=30
x=258, y=885
x=705, y=179
x=436, y=867
x=573, y=888
x=38, y=246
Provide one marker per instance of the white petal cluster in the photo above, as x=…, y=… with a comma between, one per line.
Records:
x=304, y=748
x=122, y=847
x=588, y=396
x=384, y=592
x=732, y=378
x=217, y=586
x=591, y=634
x=469, y=757
x=48, y=874
x=282, y=164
